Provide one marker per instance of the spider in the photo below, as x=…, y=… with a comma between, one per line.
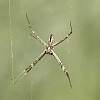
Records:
x=48, y=50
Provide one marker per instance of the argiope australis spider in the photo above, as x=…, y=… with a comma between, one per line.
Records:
x=48, y=50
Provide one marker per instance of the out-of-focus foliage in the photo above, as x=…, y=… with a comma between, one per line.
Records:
x=47, y=81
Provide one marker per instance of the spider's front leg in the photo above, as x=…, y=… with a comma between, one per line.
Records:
x=20, y=76
x=65, y=37
x=34, y=34
x=62, y=67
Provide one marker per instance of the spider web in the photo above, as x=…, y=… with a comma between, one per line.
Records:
x=11, y=42
x=29, y=45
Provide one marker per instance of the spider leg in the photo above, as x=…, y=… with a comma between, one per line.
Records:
x=62, y=67
x=20, y=76
x=35, y=35
x=65, y=37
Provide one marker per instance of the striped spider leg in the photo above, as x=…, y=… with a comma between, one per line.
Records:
x=65, y=37
x=21, y=75
x=34, y=34
x=48, y=50
x=62, y=67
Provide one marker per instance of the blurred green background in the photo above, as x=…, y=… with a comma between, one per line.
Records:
x=46, y=81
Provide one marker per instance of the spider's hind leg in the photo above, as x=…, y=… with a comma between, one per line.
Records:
x=62, y=67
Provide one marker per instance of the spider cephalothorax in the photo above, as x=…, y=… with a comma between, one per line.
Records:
x=48, y=50
x=49, y=46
